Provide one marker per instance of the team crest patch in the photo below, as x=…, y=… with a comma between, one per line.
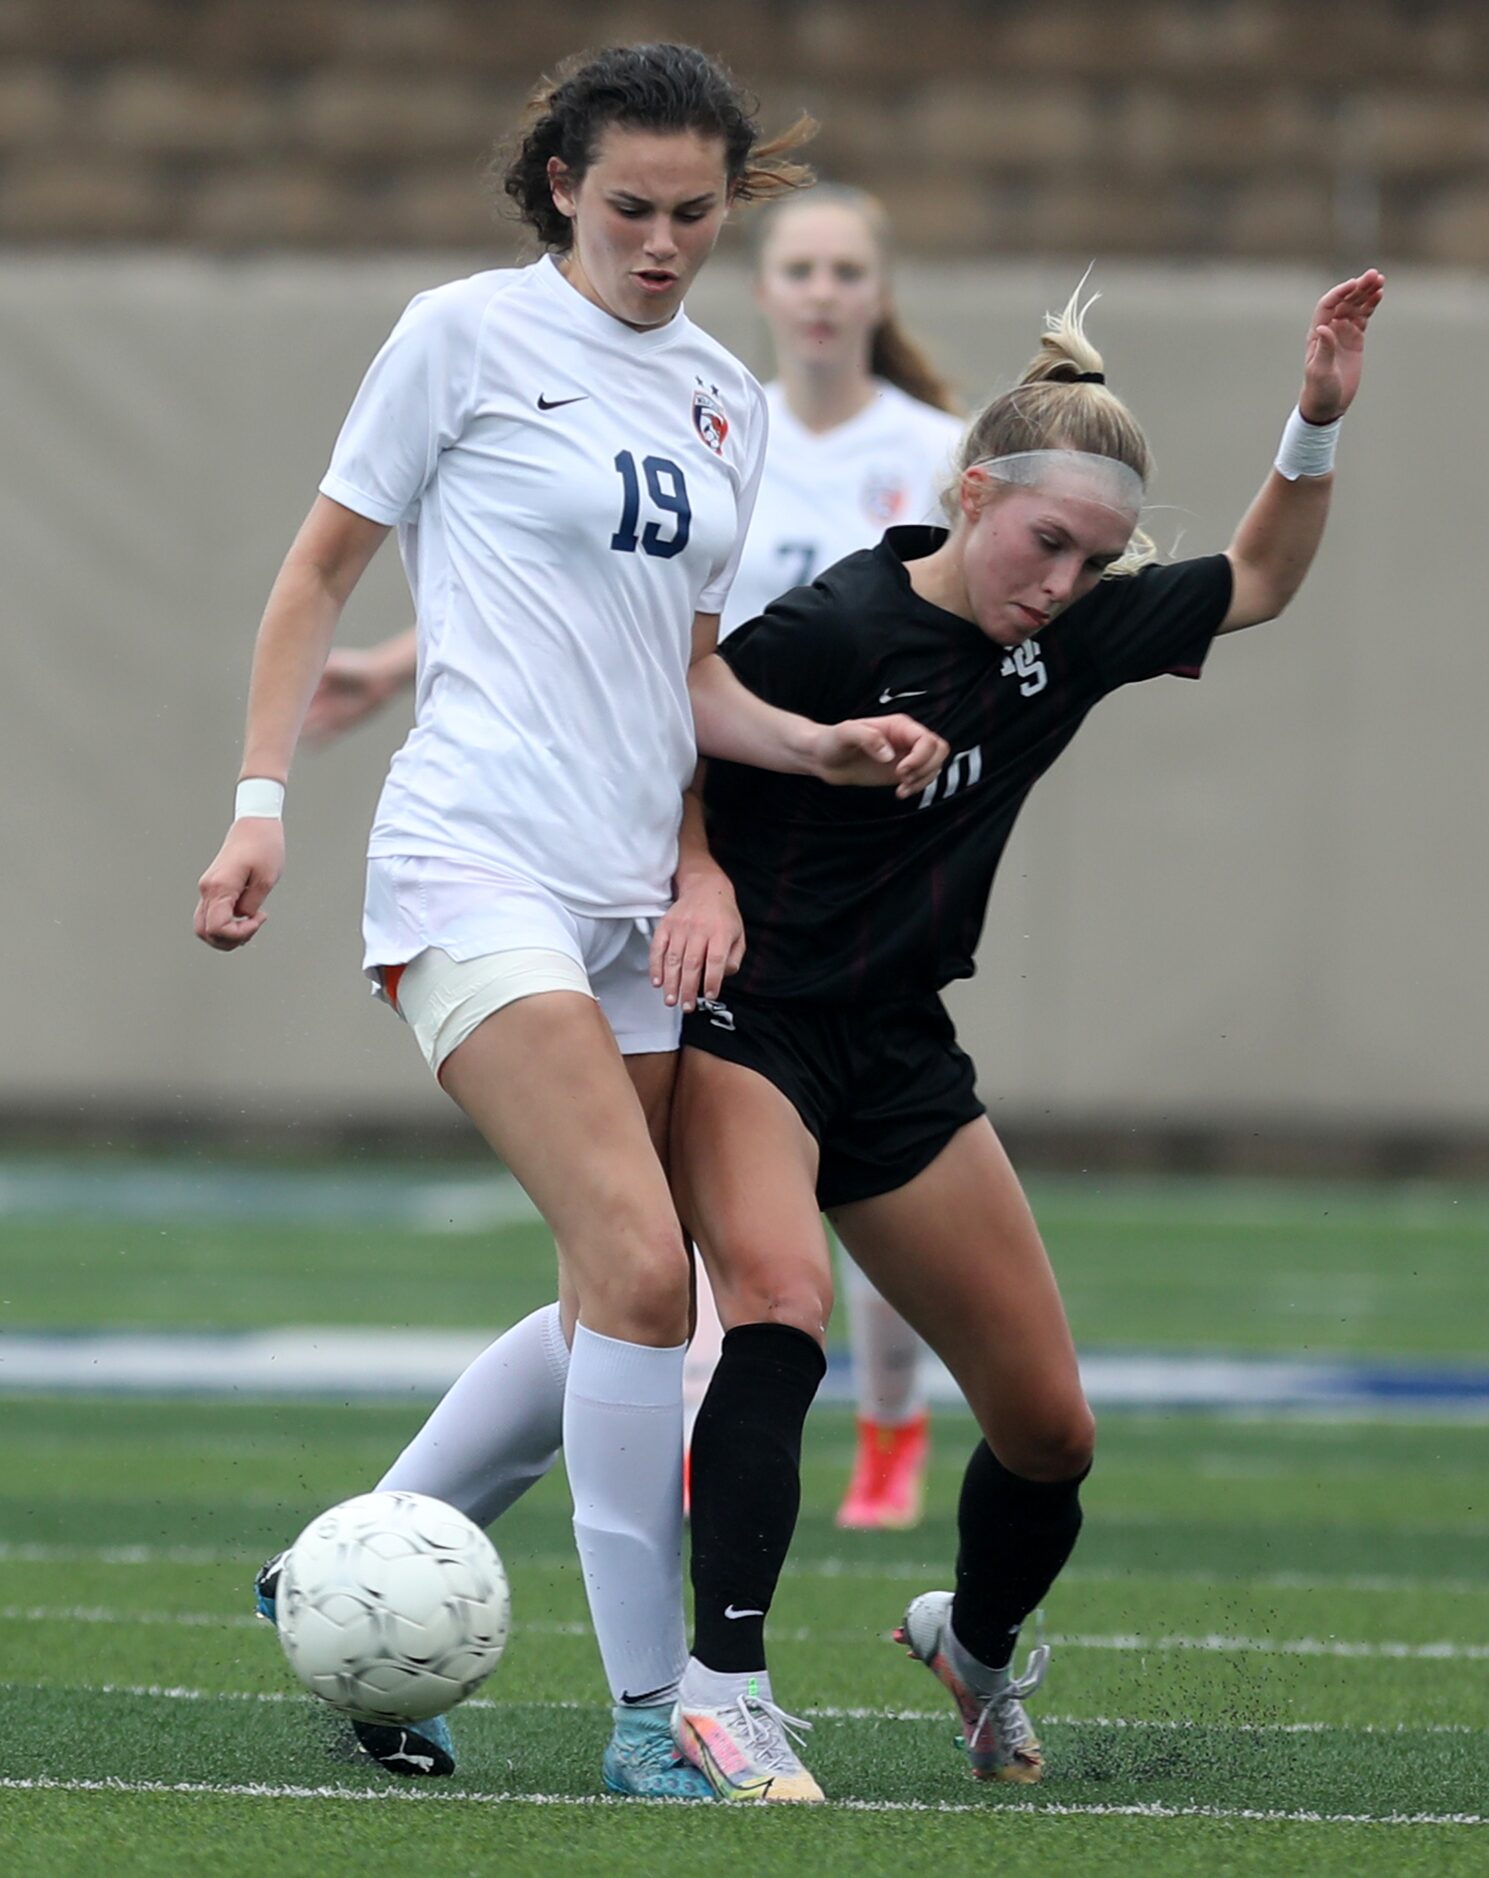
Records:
x=883, y=499
x=708, y=418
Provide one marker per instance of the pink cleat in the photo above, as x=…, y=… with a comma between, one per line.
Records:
x=887, y=1491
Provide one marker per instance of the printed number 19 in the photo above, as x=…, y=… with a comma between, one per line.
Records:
x=668, y=489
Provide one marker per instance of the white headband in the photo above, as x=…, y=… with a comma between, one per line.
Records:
x=1071, y=473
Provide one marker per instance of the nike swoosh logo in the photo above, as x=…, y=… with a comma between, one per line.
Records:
x=554, y=404
x=646, y=1695
x=886, y=696
x=729, y=1611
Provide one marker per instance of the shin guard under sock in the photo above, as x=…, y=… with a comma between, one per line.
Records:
x=1014, y=1538
x=747, y=1486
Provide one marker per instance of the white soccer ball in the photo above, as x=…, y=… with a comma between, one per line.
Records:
x=392, y=1607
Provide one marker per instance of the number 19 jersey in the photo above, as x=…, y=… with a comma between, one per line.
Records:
x=568, y=493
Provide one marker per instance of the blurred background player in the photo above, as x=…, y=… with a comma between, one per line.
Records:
x=862, y=436
x=571, y=465
x=830, y=1078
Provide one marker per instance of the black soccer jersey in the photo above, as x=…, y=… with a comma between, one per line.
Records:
x=851, y=894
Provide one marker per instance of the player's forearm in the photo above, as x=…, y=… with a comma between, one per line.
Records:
x=395, y=662
x=733, y=724
x=695, y=865
x=1276, y=543
x=294, y=637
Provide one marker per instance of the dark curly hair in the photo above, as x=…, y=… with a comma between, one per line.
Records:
x=652, y=87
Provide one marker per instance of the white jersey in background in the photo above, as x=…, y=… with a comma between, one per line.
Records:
x=568, y=492
x=829, y=494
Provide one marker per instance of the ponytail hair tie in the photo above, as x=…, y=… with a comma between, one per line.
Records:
x=1087, y=378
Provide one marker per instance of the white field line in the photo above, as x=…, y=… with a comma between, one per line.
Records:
x=891, y=1571
x=1442, y=1650
x=160, y=1692
x=420, y=1797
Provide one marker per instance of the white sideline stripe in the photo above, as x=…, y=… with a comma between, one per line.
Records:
x=1441, y=1650
x=158, y=1692
x=891, y=1571
x=418, y=1797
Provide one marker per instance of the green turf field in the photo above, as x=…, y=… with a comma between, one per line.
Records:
x=1271, y=1654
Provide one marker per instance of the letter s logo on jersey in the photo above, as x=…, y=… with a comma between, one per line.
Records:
x=708, y=418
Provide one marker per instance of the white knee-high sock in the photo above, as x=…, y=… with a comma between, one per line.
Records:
x=886, y=1356
x=623, y=1450
x=498, y=1428
x=704, y=1349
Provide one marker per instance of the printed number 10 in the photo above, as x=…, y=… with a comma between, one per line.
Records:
x=667, y=488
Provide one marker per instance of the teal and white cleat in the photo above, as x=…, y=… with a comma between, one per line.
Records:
x=266, y=1587
x=642, y=1761
x=414, y=1750
x=1000, y=1743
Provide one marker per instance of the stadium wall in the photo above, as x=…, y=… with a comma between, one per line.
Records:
x=1246, y=129
x=1255, y=900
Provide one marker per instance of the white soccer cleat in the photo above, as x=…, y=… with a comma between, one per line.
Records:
x=1001, y=1744
x=744, y=1752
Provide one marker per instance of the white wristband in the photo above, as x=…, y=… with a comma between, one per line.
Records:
x=1307, y=449
x=258, y=795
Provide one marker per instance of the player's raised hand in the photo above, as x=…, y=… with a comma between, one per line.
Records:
x=231, y=894
x=873, y=752
x=1335, y=355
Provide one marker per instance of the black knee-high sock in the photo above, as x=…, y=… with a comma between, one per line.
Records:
x=1014, y=1538
x=746, y=1477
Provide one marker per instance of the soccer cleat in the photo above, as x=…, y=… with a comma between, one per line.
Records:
x=643, y=1762
x=744, y=1751
x=1000, y=1743
x=266, y=1587
x=887, y=1490
x=415, y=1750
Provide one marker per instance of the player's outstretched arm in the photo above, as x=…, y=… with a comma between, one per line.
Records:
x=868, y=752
x=358, y=681
x=324, y=564
x=1274, y=546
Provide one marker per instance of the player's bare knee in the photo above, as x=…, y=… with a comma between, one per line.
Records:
x=639, y=1290
x=801, y=1300
x=1061, y=1448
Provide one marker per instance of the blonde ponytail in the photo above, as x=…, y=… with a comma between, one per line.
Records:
x=1062, y=403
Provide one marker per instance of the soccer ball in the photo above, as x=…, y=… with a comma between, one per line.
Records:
x=392, y=1607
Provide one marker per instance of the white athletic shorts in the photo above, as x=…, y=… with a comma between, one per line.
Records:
x=473, y=938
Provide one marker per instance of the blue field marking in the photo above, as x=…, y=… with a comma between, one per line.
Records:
x=172, y=1191
x=469, y=1197
x=382, y=1365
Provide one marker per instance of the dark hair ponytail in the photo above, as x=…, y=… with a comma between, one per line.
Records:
x=650, y=87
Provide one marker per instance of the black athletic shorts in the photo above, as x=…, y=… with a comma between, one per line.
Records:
x=882, y=1088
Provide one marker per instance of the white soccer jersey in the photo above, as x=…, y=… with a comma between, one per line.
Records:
x=568, y=493
x=826, y=495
